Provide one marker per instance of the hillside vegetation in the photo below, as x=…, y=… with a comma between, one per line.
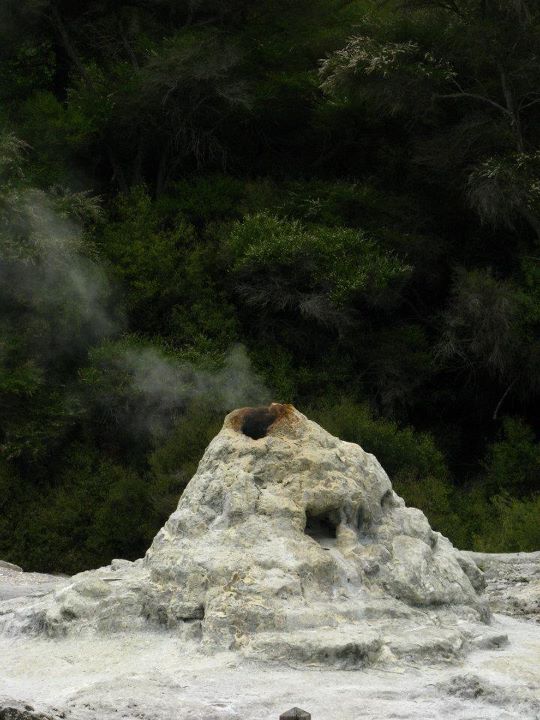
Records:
x=214, y=203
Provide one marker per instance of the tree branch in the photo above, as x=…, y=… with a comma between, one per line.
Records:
x=499, y=404
x=529, y=104
x=510, y=104
x=477, y=97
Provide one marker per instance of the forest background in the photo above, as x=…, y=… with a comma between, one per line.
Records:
x=214, y=203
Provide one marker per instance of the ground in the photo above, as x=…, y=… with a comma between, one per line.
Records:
x=154, y=676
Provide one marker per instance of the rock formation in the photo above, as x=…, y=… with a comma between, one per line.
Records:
x=288, y=544
x=512, y=582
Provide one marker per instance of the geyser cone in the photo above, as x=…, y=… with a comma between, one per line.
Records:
x=286, y=531
x=289, y=543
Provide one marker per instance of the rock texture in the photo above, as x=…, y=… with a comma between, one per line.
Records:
x=154, y=676
x=13, y=710
x=9, y=566
x=14, y=583
x=288, y=544
x=512, y=582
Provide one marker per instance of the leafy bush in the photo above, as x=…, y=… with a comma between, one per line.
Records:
x=96, y=510
x=174, y=462
x=166, y=273
x=500, y=522
x=513, y=462
x=415, y=465
x=340, y=262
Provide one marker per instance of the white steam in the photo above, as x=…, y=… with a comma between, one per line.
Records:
x=59, y=272
x=49, y=276
x=165, y=386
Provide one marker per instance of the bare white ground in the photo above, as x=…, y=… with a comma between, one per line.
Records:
x=154, y=676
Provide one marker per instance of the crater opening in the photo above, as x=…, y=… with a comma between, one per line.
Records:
x=322, y=527
x=256, y=421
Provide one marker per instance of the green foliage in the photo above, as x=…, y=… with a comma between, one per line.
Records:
x=508, y=524
x=30, y=68
x=166, y=273
x=52, y=131
x=502, y=188
x=415, y=465
x=395, y=74
x=206, y=199
x=489, y=327
x=13, y=496
x=317, y=270
x=145, y=255
x=341, y=203
x=513, y=462
x=94, y=510
x=357, y=208
x=466, y=72
x=12, y=151
x=173, y=464
x=481, y=327
x=53, y=297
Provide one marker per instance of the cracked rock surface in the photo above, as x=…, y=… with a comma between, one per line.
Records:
x=512, y=582
x=287, y=542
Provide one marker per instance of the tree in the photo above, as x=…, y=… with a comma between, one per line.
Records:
x=472, y=65
x=489, y=329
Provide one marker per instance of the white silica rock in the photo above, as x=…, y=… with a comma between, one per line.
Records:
x=512, y=582
x=288, y=544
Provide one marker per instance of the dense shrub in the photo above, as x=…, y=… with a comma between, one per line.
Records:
x=507, y=524
x=95, y=509
x=335, y=264
x=513, y=462
x=173, y=463
x=166, y=273
x=414, y=464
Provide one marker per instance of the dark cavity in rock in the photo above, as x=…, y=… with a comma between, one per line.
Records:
x=321, y=527
x=257, y=421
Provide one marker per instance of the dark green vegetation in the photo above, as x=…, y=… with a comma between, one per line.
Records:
x=200, y=199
